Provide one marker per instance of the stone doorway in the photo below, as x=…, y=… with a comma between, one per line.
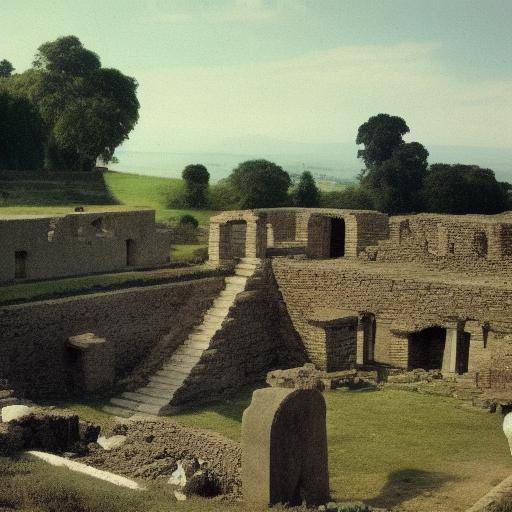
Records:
x=337, y=240
x=130, y=253
x=426, y=348
x=369, y=327
x=233, y=237
x=20, y=264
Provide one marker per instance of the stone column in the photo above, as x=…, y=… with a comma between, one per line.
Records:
x=361, y=335
x=214, y=243
x=450, y=349
x=92, y=363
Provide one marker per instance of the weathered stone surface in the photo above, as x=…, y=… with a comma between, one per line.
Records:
x=284, y=448
x=14, y=412
x=111, y=443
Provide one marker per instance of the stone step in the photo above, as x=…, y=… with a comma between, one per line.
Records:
x=196, y=345
x=158, y=393
x=217, y=312
x=117, y=411
x=236, y=280
x=185, y=359
x=202, y=338
x=159, y=386
x=145, y=399
x=247, y=266
x=206, y=330
x=136, y=406
x=256, y=261
x=187, y=350
x=221, y=302
x=243, y=272
x=171, y=369
x=168, y=379
x=229, y=294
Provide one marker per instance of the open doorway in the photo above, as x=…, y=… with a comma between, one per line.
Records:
x=20, y=265
x=337, y=243
x=232, y=243
x=462, y=359
x=426, y=348
x=130, y=253
x=369, y=330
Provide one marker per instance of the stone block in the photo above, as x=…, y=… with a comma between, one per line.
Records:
x=284, y=448
x=92, y=363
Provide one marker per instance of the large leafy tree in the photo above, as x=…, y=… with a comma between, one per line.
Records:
x=21, y=134
x=380, y=135
x=460, y=189
x=396, y=184
x=6, y=68
x=306, y=192
x=260, y=184
x=87, y=110
x=196, y=178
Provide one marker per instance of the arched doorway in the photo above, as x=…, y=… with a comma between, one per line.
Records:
x=337, y=238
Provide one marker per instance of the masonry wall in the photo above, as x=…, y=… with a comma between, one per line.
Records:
x=81, y=243
x=400, y=304
x=33, y=336
x=256, y=337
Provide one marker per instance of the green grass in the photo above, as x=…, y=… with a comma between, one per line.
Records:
x=128, y=190
x=390, y=446
x=330, y=186
x=39, y=290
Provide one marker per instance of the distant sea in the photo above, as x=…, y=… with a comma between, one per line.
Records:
x=220, y=165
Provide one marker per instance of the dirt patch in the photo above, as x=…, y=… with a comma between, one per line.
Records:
x=153, y=448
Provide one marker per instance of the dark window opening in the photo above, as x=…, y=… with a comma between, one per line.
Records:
x=480, y=244
x=369, y=332
x=426, y=348
x=130, y=253
x=462, y=359
x=451, y=248
x=337, y=247
x=20, y=264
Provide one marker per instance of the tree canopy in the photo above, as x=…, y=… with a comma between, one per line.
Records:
x=6, y=68
x=21, y=134
x=460, y=189
x=196, y=178
x=260, y=184
x=381, y=135
x=87, y=110
x=306, y=192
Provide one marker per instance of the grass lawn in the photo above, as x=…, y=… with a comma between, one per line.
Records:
x=39, y=290
x=129, y=190
x=389, y=448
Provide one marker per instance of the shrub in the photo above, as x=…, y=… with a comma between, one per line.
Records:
x=189, y=220
x=224, y=196
x=196, y=179
x=352, y=198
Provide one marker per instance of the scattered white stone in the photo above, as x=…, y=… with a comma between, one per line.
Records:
x=15, y=412
x=507, y=429
x=111, y=443
x=112, y=478
x=178, y=477
x=179, y=496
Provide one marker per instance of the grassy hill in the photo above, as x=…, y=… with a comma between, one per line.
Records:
x=30, y=193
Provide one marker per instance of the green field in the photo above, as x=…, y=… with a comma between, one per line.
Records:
x=126, y=190
x=388, y=448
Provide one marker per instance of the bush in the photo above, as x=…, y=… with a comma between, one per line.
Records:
x=352, y=198
x=223, y=196
x=189, y=220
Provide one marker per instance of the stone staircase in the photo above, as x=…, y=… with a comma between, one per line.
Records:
x=156, y=396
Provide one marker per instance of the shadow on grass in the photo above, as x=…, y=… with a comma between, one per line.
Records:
x=406, y=484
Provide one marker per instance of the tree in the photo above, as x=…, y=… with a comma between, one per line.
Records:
x=351, y=198
x=461, y=189
x=306, y=192
x=196, y=178
x=21, y=134
x=396, y=184
x=6, y=68
x=381, y=135
x=260, y=184
x=87, y=110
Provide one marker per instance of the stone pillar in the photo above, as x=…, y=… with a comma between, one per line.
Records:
x=92, y=363
x=450, y=349
x=361, y=335
x=284, y=448
x=214, y=243
x=270, y=235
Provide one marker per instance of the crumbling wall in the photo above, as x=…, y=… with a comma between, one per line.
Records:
x=402, y=303
x=33, y=336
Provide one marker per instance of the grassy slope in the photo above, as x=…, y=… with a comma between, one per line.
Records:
x=392, y=446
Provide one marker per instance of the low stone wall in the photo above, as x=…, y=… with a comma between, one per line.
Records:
x=33, y=336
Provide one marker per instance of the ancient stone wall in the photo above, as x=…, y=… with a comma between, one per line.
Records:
x=402, y=302
x=80, y=243
x=33, y=336
x=257, y=336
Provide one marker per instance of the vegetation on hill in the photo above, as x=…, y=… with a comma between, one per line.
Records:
x=87, y=110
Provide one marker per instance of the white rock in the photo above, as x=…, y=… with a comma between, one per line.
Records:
x=507, y=429
x=110, y=443
x=15, y=412
x=179, y=496
x=178, y=477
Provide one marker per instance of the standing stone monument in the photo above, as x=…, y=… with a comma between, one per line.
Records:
x=284, y=448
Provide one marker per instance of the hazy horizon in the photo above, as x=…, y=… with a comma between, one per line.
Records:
x=293, y=77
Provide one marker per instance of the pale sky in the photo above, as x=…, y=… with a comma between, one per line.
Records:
x=220, y=74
